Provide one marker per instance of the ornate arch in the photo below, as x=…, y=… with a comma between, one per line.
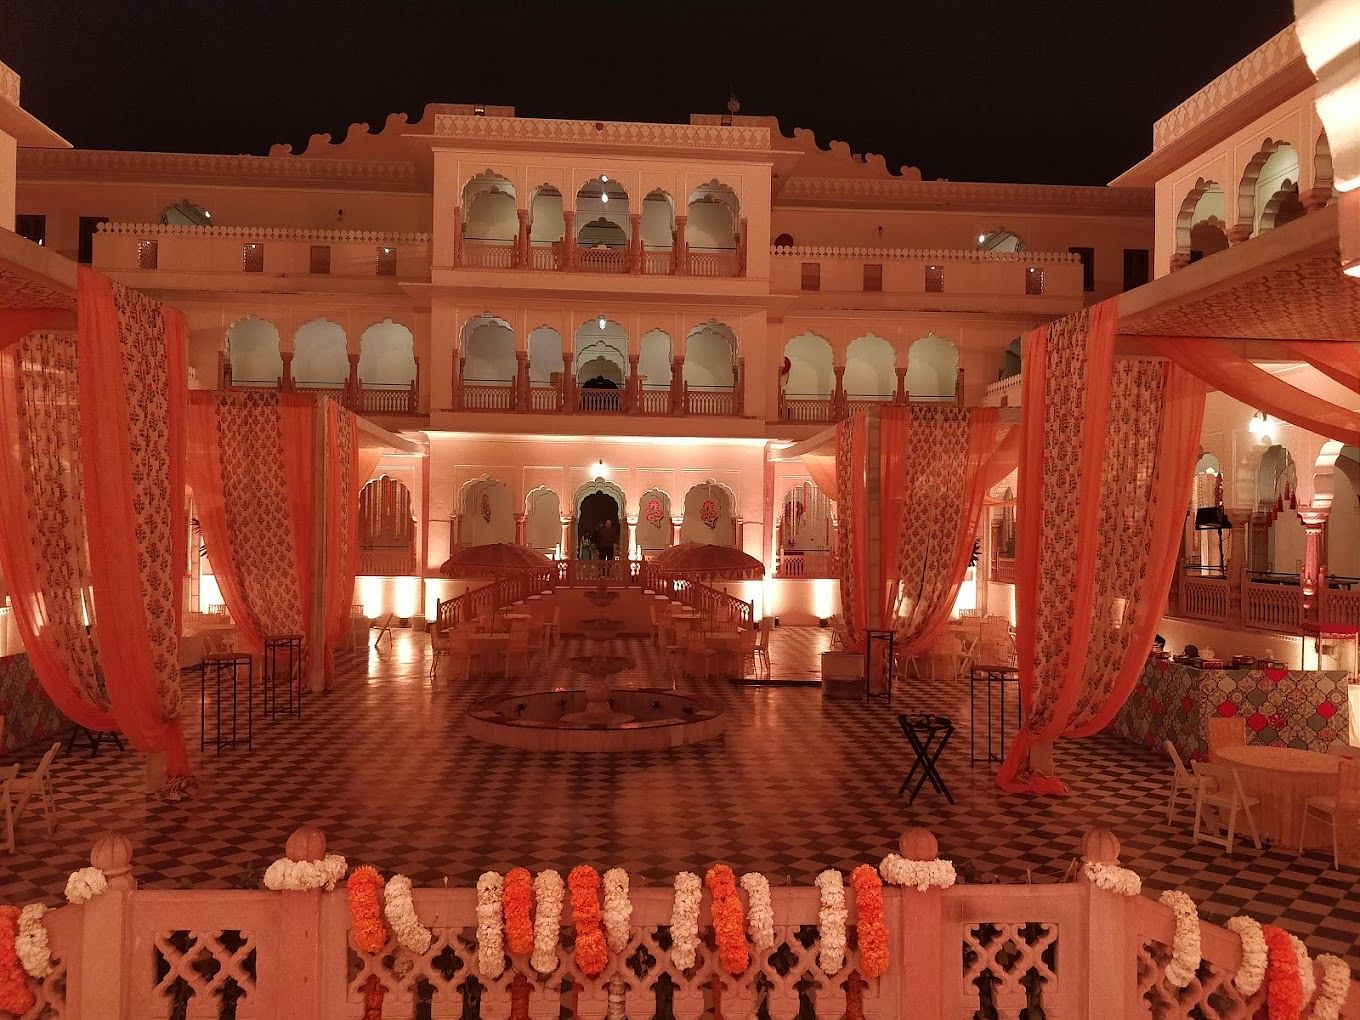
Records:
x=603, y=486
x=1324, y=473
x=1185, y=217
x=1246, y=187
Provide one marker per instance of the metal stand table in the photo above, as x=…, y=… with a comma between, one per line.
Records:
x=881, y=636
x=282, y=661
x=225, y=666
x=993, y=677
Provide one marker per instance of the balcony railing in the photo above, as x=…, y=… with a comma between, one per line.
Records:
x=1205, y=598
x=654, y=402
x=602, y=260
x=720, y=402
x=825, y=410
x=545, y=398
x=599, y=400
x=386, y=562
x=480, y=396
x=488, y=397
x=367, y=398
x=565, y=255
x=805, y=563
x=489, y=255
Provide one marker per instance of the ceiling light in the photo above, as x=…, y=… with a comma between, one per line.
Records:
x=604, y=178
x=604, y=196
x=981, y=238
x=601, y=321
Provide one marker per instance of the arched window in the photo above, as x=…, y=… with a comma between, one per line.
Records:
x=488, y=515
x=320, y=358
x=546, y=223
x=712, y=216
x=387, y=356
x=658, y=221
x=999, y=239
x=870, y=368
x=602, y=214
x=253, y=352
x=784, y=241
x=489, y=209
x=807, y=519
x=543, y=520
x=545, y=355
x=711, y=357
x=601, y=364
x=1271, y=172
x=1201, y=224
x=1010, y=360
x=1342, y=549
x=709, y=516
x=932, y=368
x=654, y=360
x=488, y=349
x=387, y=529
x=809, y=374
x=186, y=214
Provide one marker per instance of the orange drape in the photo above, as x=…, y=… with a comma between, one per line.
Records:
x=1339, y=360
x=894, y=432
x=851, y=528
x=349, y=468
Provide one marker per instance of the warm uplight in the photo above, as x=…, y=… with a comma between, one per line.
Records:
x=601, y=471
x=371, y=596
x=967, y=596
x=209, y=594
x=824, y=598
x=407, y=597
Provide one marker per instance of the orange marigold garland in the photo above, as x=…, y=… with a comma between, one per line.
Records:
x=873, y=931
x=517, y=902
x=591, y=954
x=1284, y=987
x=729, y=928
x=365, y=912
x=15, y=995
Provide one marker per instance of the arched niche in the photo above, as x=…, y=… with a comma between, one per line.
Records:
x=654, y=360
x=712, y=216
x=654, y=521
x=806, y=519
x=658, y=221
x=545, y=355
x=489, y=209
x=870, y=368
x=1284, y=206
x=1269, y=171
x=783, y=241
x=546, y=222
x=1281, y=547
x=810, y=372
x=605, y=347
x=387, y=528
x=597, y=502
x=932, y=368
x=488, y=346
x=602, y=214
x=387, y=355
x=488, y=512
x=1201, y=223
x=709, y=515
x=999, y=239
x=319, y=354
x=542, y=519
x=711, y=357
x=1011, y=360
x=253, y=352
x=1207, y=549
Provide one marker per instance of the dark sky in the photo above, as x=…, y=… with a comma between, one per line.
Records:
x=1002, y=90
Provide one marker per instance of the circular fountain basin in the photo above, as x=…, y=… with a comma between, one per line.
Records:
x=538, y=722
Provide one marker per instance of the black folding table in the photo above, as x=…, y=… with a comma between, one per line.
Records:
x=923, y=732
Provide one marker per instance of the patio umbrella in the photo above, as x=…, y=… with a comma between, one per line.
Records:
x=498, y=559
x=695, y=561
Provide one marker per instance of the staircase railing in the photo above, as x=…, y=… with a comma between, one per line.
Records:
x=716, y=606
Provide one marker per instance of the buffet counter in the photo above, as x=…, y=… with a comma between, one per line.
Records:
x=1284, y=707
x=29, y=714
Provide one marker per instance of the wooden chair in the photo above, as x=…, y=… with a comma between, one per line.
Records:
x=38, y=785
x=7, y=774
x=1226, y=731
x=1181, y=779
x=1324, y=808
x=1221, y=789
x=994, y=644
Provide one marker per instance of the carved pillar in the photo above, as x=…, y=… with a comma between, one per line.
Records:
x=1237, y=562
x=1313, y=579
x=1238, y=233
x=633, y=390
x=568, y=260
x=224, y=370
x=838, y=393
x=900, y=397
x=635, y=243
x=678, y=386
x=679, y=250
x=354, y=388
x=568, y=538
x=457, y=235
x=1179, y=260
x=459, y=368
x=413, y=402
x=741, y=249
x=676, y=523
x=627, y=529
x=568, y=383
x=520, y=520
x=522, y=243
x=286, y=380
x=739, y=398
x=521, y=380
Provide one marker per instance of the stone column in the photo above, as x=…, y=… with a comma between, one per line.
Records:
x=354, y=388
x=286, y=380
x=739, y=398
x=676, y=522
x=1313, y=578
x=633, y=390
x=413, y=406
x=522, y=243
x=568, y=240
x=457, y=236
x=838, y=393
x=739, y=532
x=568, y=383
x=635, y=243
x=741, y=248
x=569, y=537
x=627, y=528
x=679, y=250
x=1315, y=198
x=901, y=397
x=1238, y=557
x=520, y=520
x=678, y=386
x=521, y=380
x=459, y=370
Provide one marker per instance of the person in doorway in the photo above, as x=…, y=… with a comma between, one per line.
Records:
x=605, y=539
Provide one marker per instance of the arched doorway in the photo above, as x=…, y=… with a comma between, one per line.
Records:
x=599, y=521
x=387, y=529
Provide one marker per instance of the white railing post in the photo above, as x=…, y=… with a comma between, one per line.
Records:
x=1111, y=959
x=102, y=987
x=299, y=934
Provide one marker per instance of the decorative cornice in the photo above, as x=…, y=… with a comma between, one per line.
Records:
x=1067, y=198
x=605, y=133
x=183, y=166
x=1251, y=71
x=263, y=233
x=9, y=84
x=923, y=254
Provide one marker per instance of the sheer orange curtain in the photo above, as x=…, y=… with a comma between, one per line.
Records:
x=1339, y=360
x=349, y=468
x=851, y=525
x=894, y=432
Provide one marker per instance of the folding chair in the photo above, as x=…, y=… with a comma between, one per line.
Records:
x=1181, y=779
x=1221, y=789
x=1324, y=808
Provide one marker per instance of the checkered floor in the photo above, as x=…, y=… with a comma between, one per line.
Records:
x=796, y=784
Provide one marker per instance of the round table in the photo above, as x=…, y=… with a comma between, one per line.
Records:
x=482, y=647
x=1283, y=777
x=217, y=637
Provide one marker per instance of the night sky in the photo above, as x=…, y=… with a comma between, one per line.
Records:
x=969, y=90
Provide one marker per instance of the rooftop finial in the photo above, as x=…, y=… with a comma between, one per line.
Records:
x=733, y=104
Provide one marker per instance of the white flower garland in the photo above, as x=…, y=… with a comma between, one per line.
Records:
x=490, y=925
x=1306, y=976
x=300, y=876
x=759, y=910
x=31, y=944
x=617, y=910
x=1113, y=878
x=1185, y=948
x=923, y=875
x=685, y=920
x=548, y=893
x=1336, y=983
x=1251, y=975
x=86, y=884
x=400, y=911
x=831, y=917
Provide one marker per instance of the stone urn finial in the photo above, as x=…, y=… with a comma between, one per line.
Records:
x=111, y=854
x=307, y=843
x=1100, y=846
x=918, y=844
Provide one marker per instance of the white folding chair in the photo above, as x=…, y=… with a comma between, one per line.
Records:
x=1324, y=808
x=1221, y=790
x=38, y=785
x=7, y=774
x=1181, y=779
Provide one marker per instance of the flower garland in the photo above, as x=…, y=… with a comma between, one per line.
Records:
x=547, y=921
x=872, y=929
x=85, y=884
x=296, y=876
x=729, y=929
x=922, y=875
x=591, y=955
x=759, y=912
x=1112, y=878
x=35, y=954
x=831, y=918
x=1284, y=988
x=15, y=995
x=400, y=911
x=1335, y=985
x=1252, y=972
x=517, y=899
x=1307, y=979
x=618, y=910
x=685, y=920
x=1185, y=949
x=490, y=945
x=365, y=915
